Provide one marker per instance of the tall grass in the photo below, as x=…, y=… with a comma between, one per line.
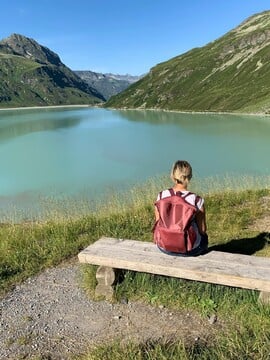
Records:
x=27, y=248
x=63, y=207
x=30, y=246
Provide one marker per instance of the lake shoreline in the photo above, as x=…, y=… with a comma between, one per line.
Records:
x=137, y=109
x=191, y=112
x=46, y=107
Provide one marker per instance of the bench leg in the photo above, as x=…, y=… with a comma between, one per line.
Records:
x=105, y=277
x=264, y=297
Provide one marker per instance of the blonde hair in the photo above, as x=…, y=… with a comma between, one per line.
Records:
x=181, y=172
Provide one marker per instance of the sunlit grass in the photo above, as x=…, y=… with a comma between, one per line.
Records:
x=230, y=182
x=112, y=201
x=70, y=225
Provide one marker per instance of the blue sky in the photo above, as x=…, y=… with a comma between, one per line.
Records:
x=123, y=36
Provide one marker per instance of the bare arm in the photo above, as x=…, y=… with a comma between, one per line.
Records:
x=156, y=214
x=201, y=220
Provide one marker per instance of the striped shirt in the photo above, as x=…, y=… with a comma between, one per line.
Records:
x=190, y=198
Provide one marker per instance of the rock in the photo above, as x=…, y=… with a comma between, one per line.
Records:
x=212, y=319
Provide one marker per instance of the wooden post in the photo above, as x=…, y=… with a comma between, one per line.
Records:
x=264, y=297
x=105, y=277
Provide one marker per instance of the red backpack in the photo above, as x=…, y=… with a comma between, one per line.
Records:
x=173, y=231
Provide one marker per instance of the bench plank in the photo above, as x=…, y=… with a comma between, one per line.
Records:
x=245, y=271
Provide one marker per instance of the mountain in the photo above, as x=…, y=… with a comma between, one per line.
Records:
x=231, y=73
x=107, y=84
x=33, y=75
x=127, y=77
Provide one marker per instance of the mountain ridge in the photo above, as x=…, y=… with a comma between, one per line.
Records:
x=107, y=84
x=30, y=49
x=33, y=75
x=229, y=74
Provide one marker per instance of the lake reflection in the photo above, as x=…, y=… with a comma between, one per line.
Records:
x=71, y=151
x=15, y=124
x=206, y=124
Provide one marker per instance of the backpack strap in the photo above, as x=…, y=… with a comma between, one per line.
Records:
x=179, y=193
x=171, y=192
x=197, y=200
x=188, y=193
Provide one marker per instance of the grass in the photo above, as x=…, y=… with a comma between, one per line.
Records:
x=25, y=82
x=220, y=76
x=27, y=248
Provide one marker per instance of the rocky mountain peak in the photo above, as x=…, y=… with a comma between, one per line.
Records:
x=21, y=45
x=258, y=22
x=33, y=75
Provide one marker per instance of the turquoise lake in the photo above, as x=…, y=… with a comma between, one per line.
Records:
x=75, y=151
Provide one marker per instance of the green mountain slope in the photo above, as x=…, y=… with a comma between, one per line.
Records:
x=33, y=75
x=229, y=74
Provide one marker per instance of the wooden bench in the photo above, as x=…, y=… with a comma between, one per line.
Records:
x=244, y=271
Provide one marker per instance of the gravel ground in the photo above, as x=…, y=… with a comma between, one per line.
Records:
x=50, y=317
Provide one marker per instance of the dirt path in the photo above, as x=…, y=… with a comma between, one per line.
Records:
x=50, y=316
